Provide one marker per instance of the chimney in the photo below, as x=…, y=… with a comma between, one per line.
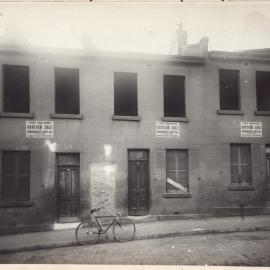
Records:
x=181, y=38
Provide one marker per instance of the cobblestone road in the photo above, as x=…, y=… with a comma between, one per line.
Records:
x=248, y=249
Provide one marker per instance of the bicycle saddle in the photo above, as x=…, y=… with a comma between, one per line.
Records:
x=94, y=210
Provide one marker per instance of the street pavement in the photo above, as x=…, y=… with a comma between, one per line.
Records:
x=227, y=249
x=148, y=230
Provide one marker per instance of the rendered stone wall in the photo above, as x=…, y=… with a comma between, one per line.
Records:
x=206, y=135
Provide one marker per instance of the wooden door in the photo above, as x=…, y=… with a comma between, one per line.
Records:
x=138, y=183
x=268, y=169
x=68, y=194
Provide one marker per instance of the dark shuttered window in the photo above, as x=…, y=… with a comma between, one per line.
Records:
x=16, y=89
x=15, y=184
x=174, y=96
x=125, y=94
x=67, y=100
x=177, y=171
x=229, y=89
x=263, y=90
x=241, y=164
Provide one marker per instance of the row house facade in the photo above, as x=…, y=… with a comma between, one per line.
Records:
x=140, y=134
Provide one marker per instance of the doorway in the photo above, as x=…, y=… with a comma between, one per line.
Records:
x=68, y=187
x=138, y=182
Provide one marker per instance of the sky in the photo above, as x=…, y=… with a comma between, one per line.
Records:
x=135, y=27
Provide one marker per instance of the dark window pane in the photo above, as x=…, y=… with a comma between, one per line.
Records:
x=68, y=159
x=245, y=154
x=235, y=174
x=137, y=155
x=174, y=96
x=23, y=188
x=15, y=176
x=8, y=188
x=263, y=90
x=24, y=162
x=67, y=91
x=229, y=89
x=16, y=89
x=8, y=163
x=234, y=154
x=125, y=94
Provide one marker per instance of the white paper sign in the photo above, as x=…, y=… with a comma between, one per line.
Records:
x=39, y=129
x=251, y=129
x=167, y=129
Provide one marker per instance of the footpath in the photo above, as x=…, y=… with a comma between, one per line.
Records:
x=147, y=230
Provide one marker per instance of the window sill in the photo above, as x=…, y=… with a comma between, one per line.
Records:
x=16, y=115
x=10, y=204
x=241, y=188
x=230, y=112
x=66, y=116
x=262, y=112
x=177, y=195
x=175, y=119
x=126, y=118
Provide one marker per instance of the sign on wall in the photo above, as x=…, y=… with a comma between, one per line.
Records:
x=251, y=129
x=103, y=187
x=167, y=129
x=39, y=129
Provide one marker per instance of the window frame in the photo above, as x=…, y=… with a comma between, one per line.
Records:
x=260, y=111
x=241, y=185
x=166, y=115
x=9, y=113
x=15, y=201
x=233, y=111
x=174, y=193
x=125, y=116
x=67, y=115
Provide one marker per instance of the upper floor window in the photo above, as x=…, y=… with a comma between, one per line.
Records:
x=125, y=94
x=241, y=164
x=16, y=89
x=67, y=98
x=15, y=184
x=229, y=89
x=177, y=171
x=174, y=96
x=263, y=90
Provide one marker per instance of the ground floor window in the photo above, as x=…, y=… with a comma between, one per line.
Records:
x=268, y=164
x=177, y=171
x=15, y=184
x=241, y=173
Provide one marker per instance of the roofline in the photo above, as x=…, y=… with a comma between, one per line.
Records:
x=102, y=54
x=240, y=55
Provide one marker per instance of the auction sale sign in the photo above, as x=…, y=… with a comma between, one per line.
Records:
x=39, y=129
x=251, y=129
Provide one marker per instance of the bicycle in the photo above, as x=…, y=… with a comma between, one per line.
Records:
x=123, y=229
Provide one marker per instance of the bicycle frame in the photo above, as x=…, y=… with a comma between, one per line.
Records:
x=100, y=226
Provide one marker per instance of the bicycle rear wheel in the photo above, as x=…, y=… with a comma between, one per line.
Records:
x=85, y=234
x=124, y=230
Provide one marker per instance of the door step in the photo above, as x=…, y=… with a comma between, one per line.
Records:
x=65, y=226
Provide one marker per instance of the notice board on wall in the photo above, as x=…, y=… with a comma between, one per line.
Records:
x=251, y=129
x=39, y=129
x=103, y=187
x=167, y=129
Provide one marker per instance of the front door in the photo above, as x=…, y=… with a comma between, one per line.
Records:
x=68, y=192
x=268, y=169
x=138, y=182
x=267, y=158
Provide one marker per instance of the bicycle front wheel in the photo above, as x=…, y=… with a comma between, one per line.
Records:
x=85, y=234
x=124, y=230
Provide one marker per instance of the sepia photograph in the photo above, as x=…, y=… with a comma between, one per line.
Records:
x=135, y=133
